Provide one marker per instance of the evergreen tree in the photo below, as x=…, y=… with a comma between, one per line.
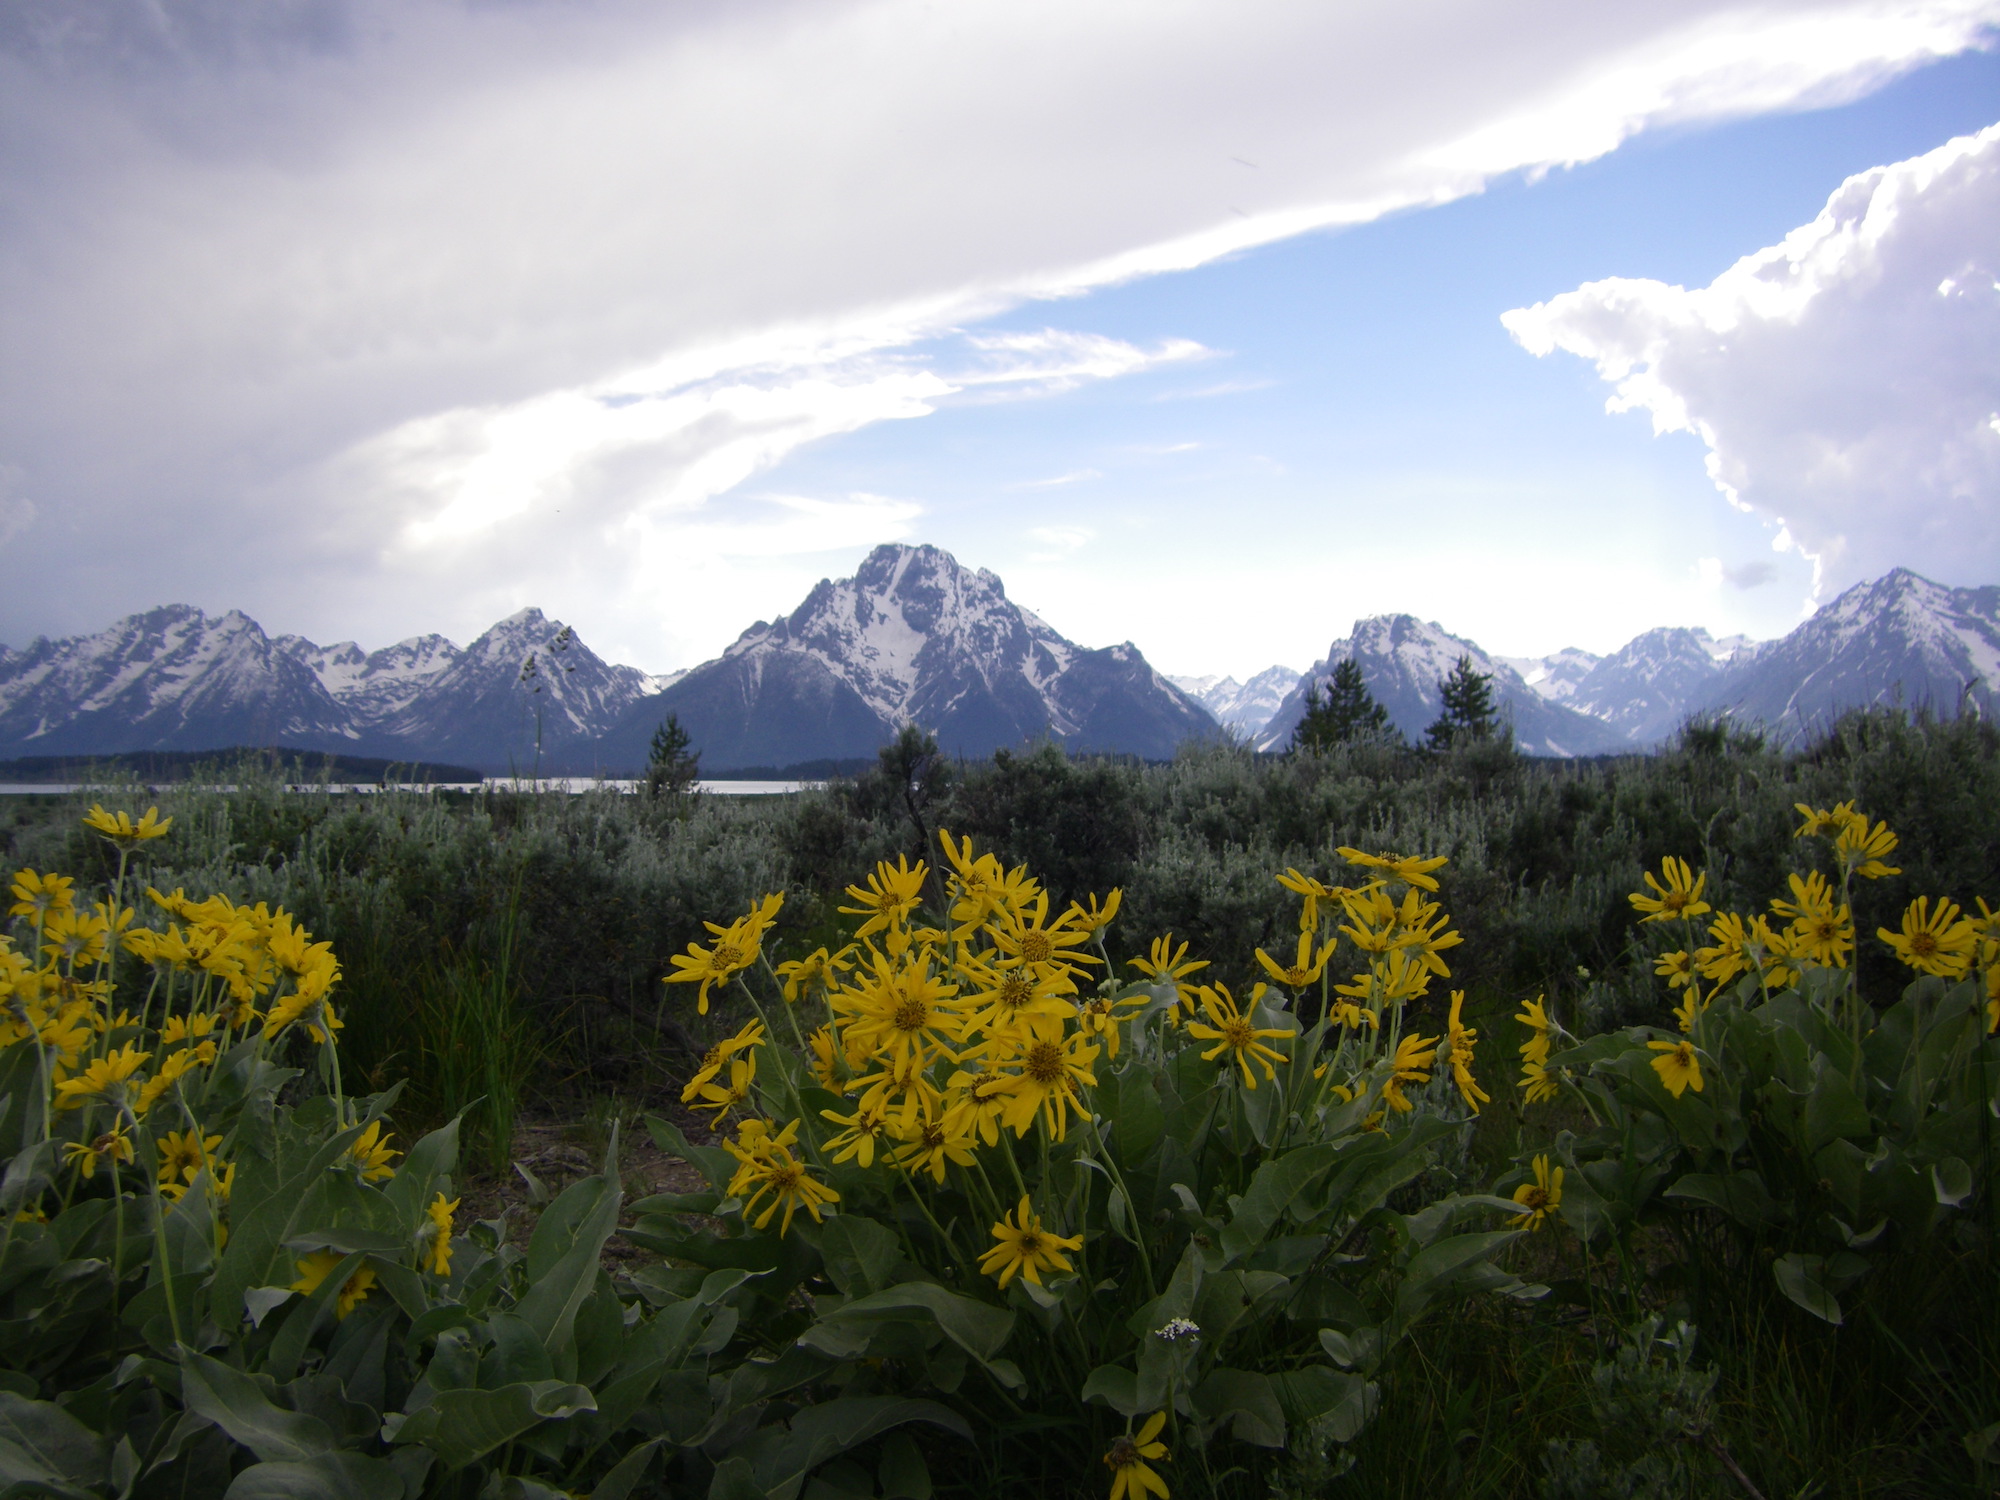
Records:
x=1468, y=713
x=672, y=768
x=1348, y=712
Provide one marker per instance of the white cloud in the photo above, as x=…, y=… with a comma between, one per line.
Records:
x=1845, y=380
x=331, y=311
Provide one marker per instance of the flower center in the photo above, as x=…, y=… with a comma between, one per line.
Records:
x=1030, y=1244
x=1237, y=1034
x=912, y=1015
x=1534, y=1198
x=785, y=1177
x=1015, y=990
x=1924, y=944
x=728, y=956
x=1036, y=947
x=1124, y=1453
x=1045, y=1062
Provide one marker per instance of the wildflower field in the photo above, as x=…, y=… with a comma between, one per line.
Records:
x=1355, y=1124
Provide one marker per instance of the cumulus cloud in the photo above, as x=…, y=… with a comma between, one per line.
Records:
x=352, y=312
x=1845, y=381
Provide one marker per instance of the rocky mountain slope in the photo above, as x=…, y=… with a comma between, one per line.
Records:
x=912, y=637
x=1241, y=707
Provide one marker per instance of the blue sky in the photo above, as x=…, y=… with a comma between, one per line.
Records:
x=378, y=317
x=1365, y=414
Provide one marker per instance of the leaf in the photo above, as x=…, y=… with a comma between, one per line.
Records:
x=1953, y=1180
x=627, y=1472
x=717, y=1165
x=1803, y=1279
x=905, y=1475
x=1741, y=1195
x=1138, y=1121
x=237, y=1404
x=461, y=1426
x=42, y=1444
x=1342, y=1403
x=415, y=1184
x=1431, y=1271
x=1273, y=1187
x=860, y=1255
x=1832, y=1111
x=978, y=1328
x=568, y=1256
x=330, y=1476
x=782, y=1460
x=1117, y=1388
x=1249, y=1399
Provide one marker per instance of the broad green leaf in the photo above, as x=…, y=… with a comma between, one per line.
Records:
x=1273, y=1187
x=1343, y=1402
x=781, y=1460
x=1117, y=1388
x=1432, y=1271
x=1138, y=1121
x=462, y=1426
x=978, y=1328
x=570, y=1256
x=330, y=1476
x=41, y=1444
x=1803, y=1279
x=1247, y=1400
x=905, y=1475
x=1832, y=1111
x=625, y=1475
x=237, y=1404
x=860, y=1255
x=717, y=1165
x=422, y=1173
x=1741, y=1195
x=1953, y=1180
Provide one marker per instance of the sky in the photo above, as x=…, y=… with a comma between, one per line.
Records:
x=1209, y=327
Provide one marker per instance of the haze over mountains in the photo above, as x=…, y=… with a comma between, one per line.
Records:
x=915, y=637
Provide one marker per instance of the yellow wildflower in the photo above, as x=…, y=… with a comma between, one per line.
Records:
x=1678, y=1065
x=1411, y=1064
x=1540, y=1198
x=717, y=1057
x=1862, y=848
x=1049, y=1073
x=107, y=1079
x=1314, y=893
x=819, y=969
x=372, y=1152
x=1233, y=1032
x=1094, y=918
x=437, y=1252
x=893, y=892
x=769, y=1168
x=1409, y=869
x=1305, y=969
x=1166, y=964
x=1679, y=897
x=1025, y=1248
x=113, y=1144
x=1933, y=942
x=316, y=1267
x=35, y=896
x=1131, y=1478
x=122, y=831
x=1460, y=1041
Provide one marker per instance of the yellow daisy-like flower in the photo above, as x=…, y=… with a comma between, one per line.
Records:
x=825, y=1058
x=1862, y=848
x=108, y=1079
x=1409, y=869
x=372, y=1151
x=1677, y=968
x=933, y=1143
x=1305, y=969
x=1823, y=824
x=1042, y=1078
x=718, y=1056
x=1933, y=942
x=1166, y=964
x=437, y=1250
x=1460, y=1041
x=770, y=1171
x=113, y=1144
x=1534, y=1015
x=856, y=1143
x=35, y=896
x=1314, y=893
x=1538, y=1083
x=1025, y=1248
x=1127, y=1458
x=893, y=892
x=1412, y=1063
x=819, y=970
x=122, y=831
x=722, y=1095
x=1678, y=1065
x=1539, y=1198
x=316, y=1267
x=183, y=1153
x=1094, y=917
x=1678, y=897
x=1234, y=1033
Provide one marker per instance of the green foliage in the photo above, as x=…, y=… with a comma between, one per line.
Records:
x=672, y=766
x=1466, y=715
x=1655, y=1418
x=1347, y=712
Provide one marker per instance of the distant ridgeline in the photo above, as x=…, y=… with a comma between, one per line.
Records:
x=915, y=638
x=291, y=763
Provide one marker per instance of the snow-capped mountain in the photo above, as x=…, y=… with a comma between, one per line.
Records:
x=1555, y=676
x=1403, y=659
x=912, y=637
x=175, y=678
x=169, y=679
x=1244, y=707
x=1900, y=640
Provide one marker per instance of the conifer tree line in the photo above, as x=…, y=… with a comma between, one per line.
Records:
x=1347, y=713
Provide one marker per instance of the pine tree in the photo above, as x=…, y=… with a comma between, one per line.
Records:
x=672, y=768
x=1348, y=712
x=1468, y=713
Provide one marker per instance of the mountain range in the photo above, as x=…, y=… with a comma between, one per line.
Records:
x=915, y=637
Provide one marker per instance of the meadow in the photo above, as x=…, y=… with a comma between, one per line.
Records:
x=1474, y=1178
